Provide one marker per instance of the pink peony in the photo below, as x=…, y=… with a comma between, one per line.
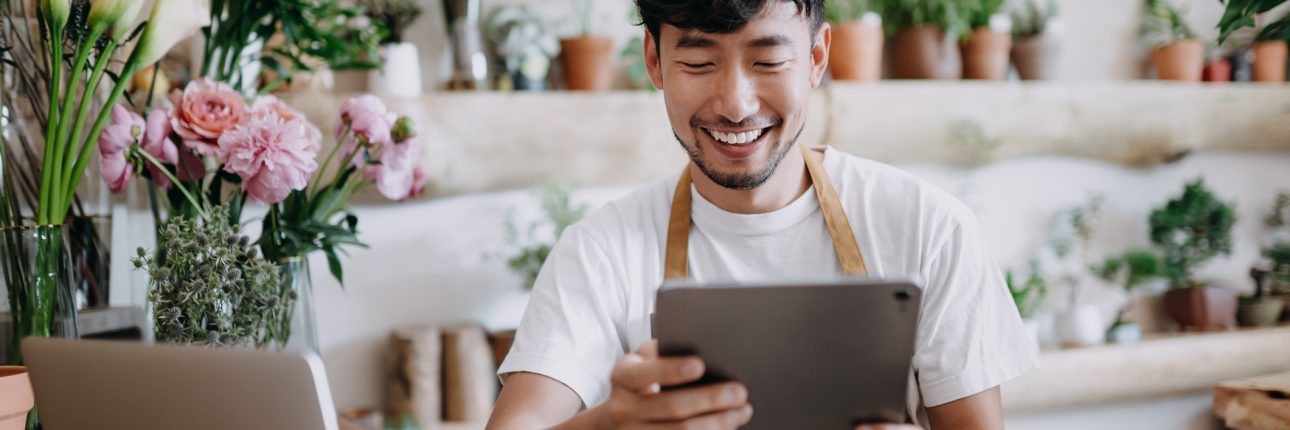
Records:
x=268, y=103
x=114, y=143
x=271, y=155
x=203, y=112
x=156, y=141
x=399, y=174
x=364, y=116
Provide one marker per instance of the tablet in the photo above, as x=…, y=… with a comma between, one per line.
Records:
x=814, y=355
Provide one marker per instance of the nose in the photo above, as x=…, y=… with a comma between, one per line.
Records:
x=736, y=96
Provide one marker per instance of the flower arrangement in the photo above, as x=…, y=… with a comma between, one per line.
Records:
x=265, y=152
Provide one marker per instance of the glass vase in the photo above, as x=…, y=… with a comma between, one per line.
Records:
x=298, y=328
x=36, y=274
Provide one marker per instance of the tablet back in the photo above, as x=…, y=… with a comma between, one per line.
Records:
x=823, y=355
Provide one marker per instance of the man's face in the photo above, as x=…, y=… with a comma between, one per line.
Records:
x=737, y=101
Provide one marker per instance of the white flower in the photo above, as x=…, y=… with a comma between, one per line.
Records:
x=122, y=27
x=170, y=22
x=104, y=13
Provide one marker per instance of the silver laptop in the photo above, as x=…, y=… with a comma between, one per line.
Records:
x=127, y=385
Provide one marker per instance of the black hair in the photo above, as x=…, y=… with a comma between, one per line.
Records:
x=718, y=16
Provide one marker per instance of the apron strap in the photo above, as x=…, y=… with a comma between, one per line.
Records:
x=676, y=259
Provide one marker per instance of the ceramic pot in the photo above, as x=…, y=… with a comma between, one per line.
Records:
x=1036, y=57
x=1082, y=326
x=1261, y=312
x=924, y=53
x=856, y=54
x=1201, y=308
x=1182, y=60
x=16, y=397
x=1269, y=61
x=400, y=74
x=1219, y=70
x=985, y=55
x=588, y=63
x=1124, y=333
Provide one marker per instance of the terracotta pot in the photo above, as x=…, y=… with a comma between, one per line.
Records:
x=1036, y=57
x=1201, y=308
x=856, y=54
x=1219, y=70
x=1270, y=61
x=985, y=55
x=1263, y=312
x=923, y=53
x=1179, y=61
x=16, y=397
x=588, y=62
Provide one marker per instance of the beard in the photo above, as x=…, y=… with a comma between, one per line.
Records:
x=739, y=180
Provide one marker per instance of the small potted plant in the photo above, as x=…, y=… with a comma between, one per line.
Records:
x=524, y=46
x=924, y=38
x=1028, y=297
x=1269, y=47
x=1131, y=270
x=588, y=60
x=856, y=53
x=1176, y=53
x=1260, y=309
x=1277, y=251
x=400, y=74
x=985, y=51
x=1189, y=231
x=1035, y=47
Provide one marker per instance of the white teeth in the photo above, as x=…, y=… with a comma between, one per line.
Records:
x=735, y=138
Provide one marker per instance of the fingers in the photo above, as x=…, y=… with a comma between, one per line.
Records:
x=639, y=374
x=728, y=419
x=692, y=402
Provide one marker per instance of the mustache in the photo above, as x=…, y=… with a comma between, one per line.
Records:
x=747, y=123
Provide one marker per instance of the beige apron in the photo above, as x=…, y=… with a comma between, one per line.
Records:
x=676, y=259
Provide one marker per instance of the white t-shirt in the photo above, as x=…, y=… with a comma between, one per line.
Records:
x=594, y=296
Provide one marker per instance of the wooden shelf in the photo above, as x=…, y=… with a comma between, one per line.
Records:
x=486, y=141
x=1159, y=367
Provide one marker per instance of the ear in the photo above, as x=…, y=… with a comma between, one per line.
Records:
x=820, y=54
x=652, y=64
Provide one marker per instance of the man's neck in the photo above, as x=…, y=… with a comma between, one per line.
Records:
x=789, y=182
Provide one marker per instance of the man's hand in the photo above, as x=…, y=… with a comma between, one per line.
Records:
x=637, y=399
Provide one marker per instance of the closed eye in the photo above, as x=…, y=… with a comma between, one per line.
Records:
x=697, y=67
x=771, y=64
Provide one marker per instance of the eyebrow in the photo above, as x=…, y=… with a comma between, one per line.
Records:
x=694, y=41
x=771, y=41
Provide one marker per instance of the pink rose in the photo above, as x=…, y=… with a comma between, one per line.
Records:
x=272, y=156
x=203, y=112
x=399, y=175
x=156, y=141
x=364, y=116
x=114, y=143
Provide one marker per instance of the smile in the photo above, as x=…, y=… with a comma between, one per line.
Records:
x=737, y=138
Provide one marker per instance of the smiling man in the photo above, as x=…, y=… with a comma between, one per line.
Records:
x=753, y=204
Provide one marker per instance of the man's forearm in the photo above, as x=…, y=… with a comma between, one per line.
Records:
x=590, y=419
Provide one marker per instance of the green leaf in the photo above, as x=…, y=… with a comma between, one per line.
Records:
x=333, y=265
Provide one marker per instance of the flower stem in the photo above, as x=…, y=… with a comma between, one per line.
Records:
x=95, y=78
x=164, y=171
x=61, y=153
x=323, y=167
x=51, y=128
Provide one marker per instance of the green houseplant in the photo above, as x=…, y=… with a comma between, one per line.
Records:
x=536, y=240
x=1131, y=270
x=1176, y=53
x=1028, y=296
x=1190, y=230
x=1034, y=48
x=856, y=54
x=924, y=35
x=1270, y=42
x=986, y=48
